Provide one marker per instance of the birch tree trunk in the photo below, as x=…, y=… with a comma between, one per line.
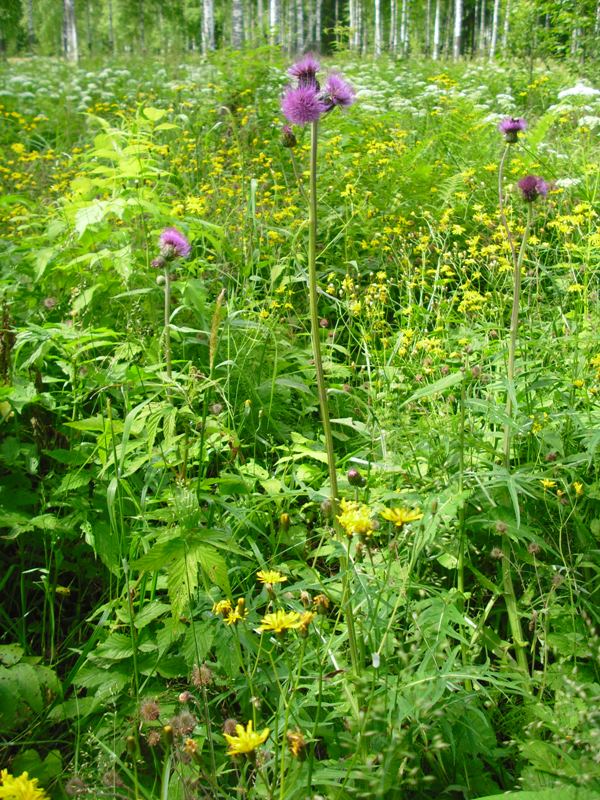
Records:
x=30, y=25
x=456, y=41
x=299, y=26
x=377, y=32
x=70, y=31
x=402, y=28
x=111, y=29
x=428, y=28
x=494, y=36
x=208, y=26
x=318, y=22
x=237, y=24
x=436, y=30
x=506, y=27
x=481, y=43
x=260, y=20
x=394, y=26
x=274, y=22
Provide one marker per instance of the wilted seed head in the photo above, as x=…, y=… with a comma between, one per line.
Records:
x=201, y=676
x=75, y=786
x=153, y=738
x=533, y=548
x=532, y=187
x=287, y=137
x=185, y=697
x=557, y=580
x=50, y=302
x=501, y=527
x=190, y=747
x=229, y=726
x=496, y=553
x=183, y=723
x=149, y=710
x=112, y=778
x=174, y=244
x=321, y=603
x=305, y=598
x=511, y=127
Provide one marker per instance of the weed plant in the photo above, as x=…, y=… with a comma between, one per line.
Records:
x=178, y=581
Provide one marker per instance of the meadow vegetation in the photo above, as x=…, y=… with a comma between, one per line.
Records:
x=186, y=611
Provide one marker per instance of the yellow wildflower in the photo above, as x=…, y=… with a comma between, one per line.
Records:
x=280, y=621
x=21, y=788
x=270, y=576
x=223, y=607
x=355, y=518
x=547, y=484
x=246, y=740
x=305, y=621
x=401, y=516
x=578, y=488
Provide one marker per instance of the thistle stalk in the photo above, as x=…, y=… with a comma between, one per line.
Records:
x=167, y=331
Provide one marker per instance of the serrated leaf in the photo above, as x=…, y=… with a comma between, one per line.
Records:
x=197, y=643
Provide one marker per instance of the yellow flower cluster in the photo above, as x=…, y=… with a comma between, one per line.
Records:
x=21, y=788
x=230, y=614
x=355, y=518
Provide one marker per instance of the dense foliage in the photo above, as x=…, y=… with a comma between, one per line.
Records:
x=173, y=564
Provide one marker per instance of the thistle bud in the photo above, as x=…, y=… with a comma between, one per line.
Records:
x=355, y=478
x=287, y=137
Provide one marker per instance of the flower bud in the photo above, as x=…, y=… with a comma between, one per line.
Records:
x=287, y=137
x=355, y=478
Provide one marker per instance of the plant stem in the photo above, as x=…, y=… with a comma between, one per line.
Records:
x=314, y=316
x=507, y=581
x=167, y=332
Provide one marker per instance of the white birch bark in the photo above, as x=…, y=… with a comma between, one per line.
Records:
x=237, y=24
x=428, y=28
x=456, y=40
x=208, y=26
x=318, y=22
x=506, y=27
x=404, y=36
x=494, y=35
x=70, y=31
x=436, y=30
x=481, y=42
x=299, y=26
x=274, y=22
x=394, y=26
x=377, y=32
x=260, y=19
x=30, y=25
x=111, y=30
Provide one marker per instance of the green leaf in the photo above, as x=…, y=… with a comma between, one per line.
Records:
x=154, y=114
x=555, y=793
x=435, y=388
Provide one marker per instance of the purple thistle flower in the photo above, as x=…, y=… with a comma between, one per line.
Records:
x=337, y=92
x=174, y=244
x=302, y=105
x=511, y=127
x=532, y=187
x=306, y=70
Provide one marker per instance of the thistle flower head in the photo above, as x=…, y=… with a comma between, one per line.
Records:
x=173, y=244
x=302, y=105
x=305, y=71
x=338, y=92
x=511, y=127
x=532, y=187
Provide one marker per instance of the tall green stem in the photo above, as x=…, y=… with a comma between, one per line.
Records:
x=167, y=332
x=322, y=389
x=510, y=597
x=314, y=315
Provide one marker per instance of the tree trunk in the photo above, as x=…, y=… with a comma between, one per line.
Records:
x=237, y=24
x=318, y=22
x=30, y=25
x=494, y=36
x=428, y=28
x=377, y=32
x=274, y=22
x=456, y=41
x=393, y=26
x=70, y=31
x=111, y=30
x=436, y=30
x=299, y=26
x=142, y=26
x=208, y=26
x=260, y=20
x=88, y=27
x=481, y=42
x=506, y=27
